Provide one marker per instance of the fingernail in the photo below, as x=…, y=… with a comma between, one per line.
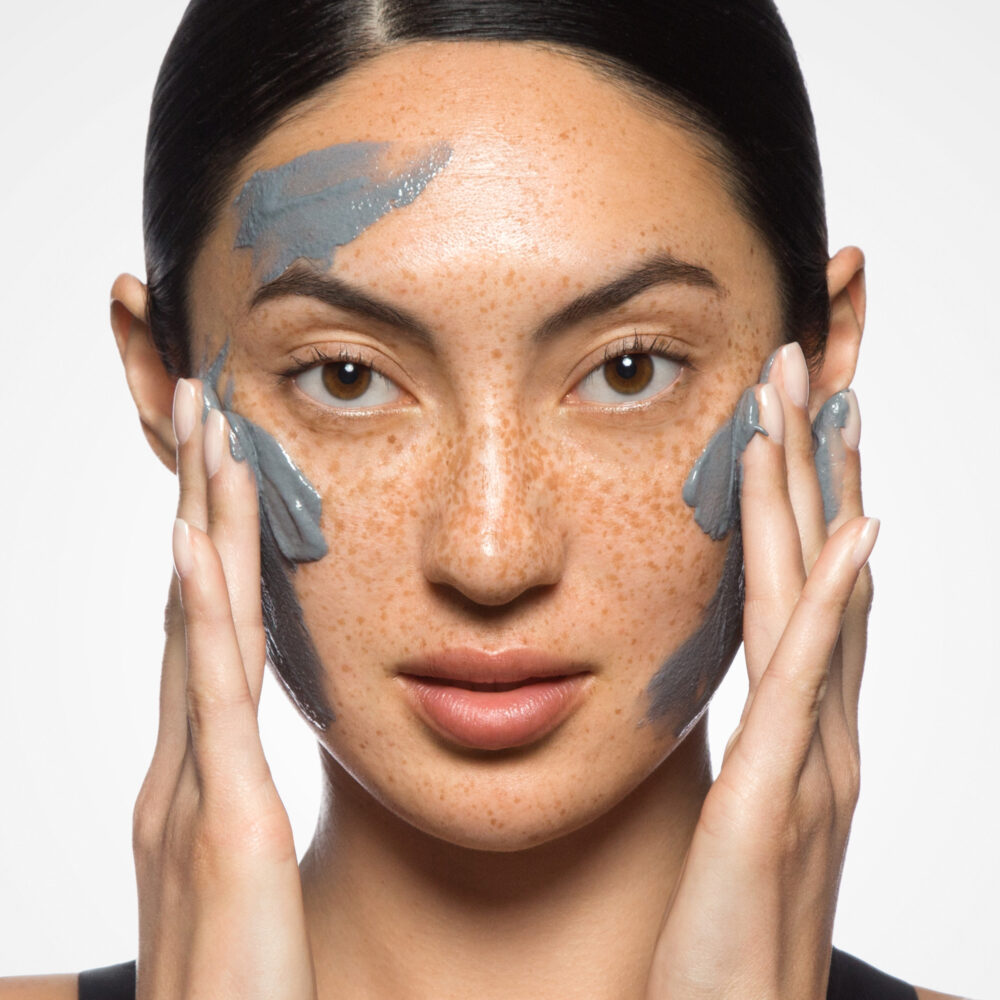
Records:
x=185, y=410
x=852, y=424
x=866, y=541
x=183, y=556
x=772, y=418
x=215, y=437
x=795, y=374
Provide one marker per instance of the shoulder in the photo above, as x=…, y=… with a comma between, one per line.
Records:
x=39, y=988
x=931, y=995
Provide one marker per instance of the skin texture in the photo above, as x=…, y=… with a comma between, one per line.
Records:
x=515, y=505
x=490, y=505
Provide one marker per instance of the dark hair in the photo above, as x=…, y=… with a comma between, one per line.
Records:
x=236, y=68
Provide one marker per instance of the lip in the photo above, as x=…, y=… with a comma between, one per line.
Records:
x=493, y=701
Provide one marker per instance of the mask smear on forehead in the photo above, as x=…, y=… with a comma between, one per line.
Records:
x=307, y=208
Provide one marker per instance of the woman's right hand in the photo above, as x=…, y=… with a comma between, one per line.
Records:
x=220, y=899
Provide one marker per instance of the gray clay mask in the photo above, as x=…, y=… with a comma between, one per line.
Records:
x=307, y=208
x=830, y=450
x=681, y=688
x=290, y=509
x=304, y=209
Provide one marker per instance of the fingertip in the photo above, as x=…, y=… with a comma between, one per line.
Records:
x=851, y=431
x=794, y=374
x=183, y=552
x=185, y=410
x=772, y=417
x=865, y=541
x=215, y=441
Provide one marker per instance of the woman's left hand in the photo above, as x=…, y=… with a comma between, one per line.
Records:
x=752, y=912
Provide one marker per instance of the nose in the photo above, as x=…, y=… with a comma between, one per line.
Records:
x=493, y=533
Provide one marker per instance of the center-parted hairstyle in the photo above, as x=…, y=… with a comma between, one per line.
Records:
x=725, y=68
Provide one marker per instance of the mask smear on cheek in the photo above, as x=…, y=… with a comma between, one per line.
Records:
x=681, y=689
x=290, y=510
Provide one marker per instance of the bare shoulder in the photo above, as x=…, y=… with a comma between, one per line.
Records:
x=39, y=988
x=921, y=995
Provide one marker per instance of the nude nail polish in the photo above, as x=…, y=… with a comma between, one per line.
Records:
x=852, y=424
x=183, y=556
x=795, y=374
x=772, y=417
x=866, y=542
x=215, y=441
x=185, y=410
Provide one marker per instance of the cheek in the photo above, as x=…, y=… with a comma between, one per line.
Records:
x=648, y=571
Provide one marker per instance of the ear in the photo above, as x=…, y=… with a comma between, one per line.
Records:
x=151, y=385
x=845, y=275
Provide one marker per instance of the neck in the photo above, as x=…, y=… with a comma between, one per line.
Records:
x=393, y=911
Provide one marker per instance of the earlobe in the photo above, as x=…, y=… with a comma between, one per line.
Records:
x=846, y=284
x=150, y=383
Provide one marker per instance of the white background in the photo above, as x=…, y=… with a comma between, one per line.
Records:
x=905, y=94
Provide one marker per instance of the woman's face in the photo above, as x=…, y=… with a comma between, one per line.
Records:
x=503, y=483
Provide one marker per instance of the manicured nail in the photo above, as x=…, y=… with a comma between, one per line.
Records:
x=772, y=418
x=215, y=439
x=185, y=410
x=852, y=425
x=866, y=542
x=795, y=374
x=183, y=556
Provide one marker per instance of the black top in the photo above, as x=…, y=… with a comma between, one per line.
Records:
x=850, y=979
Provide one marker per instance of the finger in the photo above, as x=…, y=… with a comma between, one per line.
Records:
x=172, y=730
x=172, y=733
x=771, y=549
x=781, y=723
x=791, y=377
x=222, y=716
x=188, y=431
x=847, y=668
x=233, y=528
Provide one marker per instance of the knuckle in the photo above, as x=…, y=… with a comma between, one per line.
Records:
x=146, y=829
x=849, y=779
x=207, y=706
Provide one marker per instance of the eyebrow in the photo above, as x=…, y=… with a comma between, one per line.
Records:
x=662, y=269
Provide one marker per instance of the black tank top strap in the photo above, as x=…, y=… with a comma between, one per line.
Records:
x=114, y=982
x=850, y=979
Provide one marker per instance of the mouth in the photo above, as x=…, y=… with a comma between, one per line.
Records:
x=485, y=685
x=493, y=701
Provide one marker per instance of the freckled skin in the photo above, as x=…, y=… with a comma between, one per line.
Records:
x=489, y=506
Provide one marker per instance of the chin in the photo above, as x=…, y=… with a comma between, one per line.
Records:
x=512, y=802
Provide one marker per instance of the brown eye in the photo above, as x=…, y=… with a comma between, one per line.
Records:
x=628, y=378
x=346, y=380
x=629, y=373
x=348, y=385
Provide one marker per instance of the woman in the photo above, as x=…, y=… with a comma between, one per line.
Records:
x=480, y=317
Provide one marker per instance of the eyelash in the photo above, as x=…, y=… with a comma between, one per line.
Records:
x=661, y=346
x=319, y=357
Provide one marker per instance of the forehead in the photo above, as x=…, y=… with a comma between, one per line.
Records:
x=556, y=172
